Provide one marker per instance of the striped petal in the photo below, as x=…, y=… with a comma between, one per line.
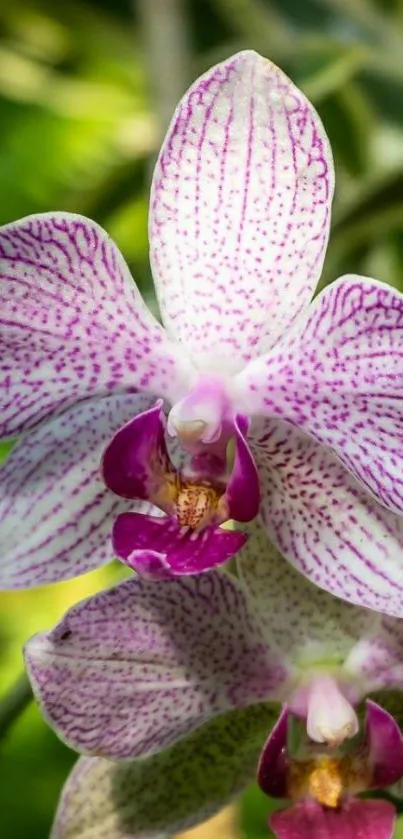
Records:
x=56, y=515
x=240, y=211
x=304, y=622
x=138, y=667
x=72, y=322
x=339, y=376
x=325, y=524
x=165, y=794
x=307, y=625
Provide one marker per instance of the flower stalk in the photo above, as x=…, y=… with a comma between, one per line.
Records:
x=14, y=703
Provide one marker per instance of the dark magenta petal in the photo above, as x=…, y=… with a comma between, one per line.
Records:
x=243, y=489
x=274, y=762
x=134, y=463
x=356, y=819
x=385, y=746
x=158, y=548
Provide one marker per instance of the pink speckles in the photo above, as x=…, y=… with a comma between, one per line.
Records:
x=339, y=377
x=247, y=144
x=308, y=501
x=56, y=515
x=68, y=304
x=139, y=665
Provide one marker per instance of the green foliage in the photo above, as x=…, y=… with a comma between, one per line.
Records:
x=79, y=132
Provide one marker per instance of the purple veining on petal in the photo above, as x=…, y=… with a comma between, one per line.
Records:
x=338, y=375
x=139, y=666
x=355, y=819
x=55, y=512
x=274, y=761
x=73, y=323
x=157, y=548
x=243, y=491
x=240, y=211
x=385, y=746
x=325, y=523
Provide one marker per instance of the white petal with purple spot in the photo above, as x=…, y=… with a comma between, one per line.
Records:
x=338, y=375
x=56, y=515
x=72, y=322
x=240, y=211
x=138, y=667
x=325, y=524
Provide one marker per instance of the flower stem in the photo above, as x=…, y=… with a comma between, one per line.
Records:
x=14, y=703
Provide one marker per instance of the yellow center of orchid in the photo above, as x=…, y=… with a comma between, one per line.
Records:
x=195, y=505
x=326, y=779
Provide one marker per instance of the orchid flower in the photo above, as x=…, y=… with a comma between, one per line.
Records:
x=143, y=673
x=325, y=787
x=248, y=395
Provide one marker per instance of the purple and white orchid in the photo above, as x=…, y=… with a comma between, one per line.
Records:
x=143, y=671
x=269, y=398
x=324, y=787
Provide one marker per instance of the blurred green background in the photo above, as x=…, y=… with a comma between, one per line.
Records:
x=86, y=90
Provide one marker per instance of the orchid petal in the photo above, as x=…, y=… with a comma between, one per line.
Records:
x=159, y=796
x=325, y=524
x=73, y=323
x=385, y=746
x=307, y=819
x=240, y=211
x=274, y=764
x=136, y=463
x=339, y=376
x=307, y=625
x=136, y=668
x=243, y=491
x=55, y=514
x=303, y=622
x=158, y=548
x=377, y=660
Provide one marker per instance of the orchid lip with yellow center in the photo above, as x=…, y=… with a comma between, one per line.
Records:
x=326, y=783
x=327, y=779
x=188, y=539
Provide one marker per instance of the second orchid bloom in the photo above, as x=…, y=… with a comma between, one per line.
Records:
x=171, y=689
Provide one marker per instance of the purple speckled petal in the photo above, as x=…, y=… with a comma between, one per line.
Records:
x=73, y=324
x=55, y=514
x=325, y=523
x=322, y=628
x=385, y=746
x=158, y=548
x=243, y=490
x=338, y=375
x=136, y=462
x=274, y=762
x=377, y=659
x=138, y=667
x=240, y=211
x=354, y=820
x=159, y=796
x=306, y=624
